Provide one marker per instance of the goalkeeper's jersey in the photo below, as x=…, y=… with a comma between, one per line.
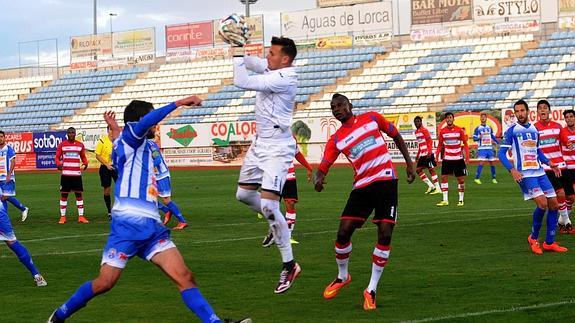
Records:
x=275, y=97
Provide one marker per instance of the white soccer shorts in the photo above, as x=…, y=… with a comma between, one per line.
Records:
x=267, y=162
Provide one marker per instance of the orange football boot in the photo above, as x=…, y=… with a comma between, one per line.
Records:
x=535, y=247
x=180, y=226
x=62, y=220
x=369, y=300
x=82, y=219
x=553, y=247
x=333, y=289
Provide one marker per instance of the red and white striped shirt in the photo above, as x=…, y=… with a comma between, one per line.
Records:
x=567, y=137
x=71, y=156
x=549, y=142
x=450, y=141
x=424, y=141
x=361, y=141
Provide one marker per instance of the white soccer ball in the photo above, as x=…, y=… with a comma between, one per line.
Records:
x=234, y=30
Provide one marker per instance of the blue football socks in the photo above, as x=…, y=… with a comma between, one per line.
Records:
x=551, y=226
x=198, y=304
x=16, y=203
x=78, y=300
x=537, y=221
x=24, y=257
x=176, y=211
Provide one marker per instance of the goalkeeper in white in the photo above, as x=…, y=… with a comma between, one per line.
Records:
x=273, y=148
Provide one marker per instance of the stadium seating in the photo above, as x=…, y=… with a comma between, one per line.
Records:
x=50, y=104
x=12, y=89
x=419, y=75
x=160, y=87
x=316, y=69
x=546, y=72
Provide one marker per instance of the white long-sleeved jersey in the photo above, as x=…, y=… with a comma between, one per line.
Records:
x=275, y=97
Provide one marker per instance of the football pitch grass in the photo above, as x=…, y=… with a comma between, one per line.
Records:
x=456, y=264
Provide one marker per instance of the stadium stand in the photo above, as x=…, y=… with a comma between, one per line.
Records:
x=61, y=98
x=316, y=69
x=546, y=72
x=169, y=82
x=11, y=90
x=420, y=75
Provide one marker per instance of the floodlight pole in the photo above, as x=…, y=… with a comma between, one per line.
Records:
x=248, y=3
x=95, y=17
x=112, y=33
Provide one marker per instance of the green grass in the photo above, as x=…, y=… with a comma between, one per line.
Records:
x=467, y=264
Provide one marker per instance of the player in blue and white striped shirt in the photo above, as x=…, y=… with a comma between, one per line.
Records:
x=136, y=228
x=523, y=140
x=162, y=173
x=485, y=139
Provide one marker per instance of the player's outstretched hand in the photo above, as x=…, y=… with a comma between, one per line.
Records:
x=84, y=166
x=189, y=101
x=309, y=175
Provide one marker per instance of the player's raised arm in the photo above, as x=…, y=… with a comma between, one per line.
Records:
x=154, y=117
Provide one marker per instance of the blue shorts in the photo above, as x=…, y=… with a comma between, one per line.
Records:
x=164, y=187
x=536, y=186
x=142, y=237
x=6, y=230
x=485, y=154
x=8, y=189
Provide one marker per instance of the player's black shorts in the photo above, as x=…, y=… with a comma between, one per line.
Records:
x=71, y=184
x=289, y=192
x=427, y=161
x=564, y=182
x=380, y=195
x=106, y=176
x=454, y=167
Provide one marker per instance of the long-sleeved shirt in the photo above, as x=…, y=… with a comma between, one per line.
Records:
x=275, y=97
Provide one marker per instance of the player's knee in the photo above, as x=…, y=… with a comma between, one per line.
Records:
x=243, y=195
x=343, y=237
x=270, y=208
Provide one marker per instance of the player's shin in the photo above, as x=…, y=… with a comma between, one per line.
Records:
x=23, y=256
x=537, y=222
x=78, y=300
x=251, y=198
x=16, y=203
x=445, y=190
x=199, y=305
x=461, y=190
x=551, y=226
x=379, y=260
x=176, y=212
x=342, y=254
x=278, y=224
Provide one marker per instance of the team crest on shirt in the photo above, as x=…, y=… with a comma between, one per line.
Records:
x=361, y=146
x=111, y=253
